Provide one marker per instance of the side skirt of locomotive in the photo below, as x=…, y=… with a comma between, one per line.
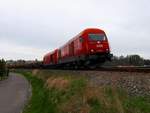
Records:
x=96, y=60
x=83, y=61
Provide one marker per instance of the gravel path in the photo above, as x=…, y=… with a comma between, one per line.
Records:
x=14, y=93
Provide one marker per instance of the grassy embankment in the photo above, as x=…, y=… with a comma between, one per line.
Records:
x=66, y=92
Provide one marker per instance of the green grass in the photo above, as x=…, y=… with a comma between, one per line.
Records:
x=95, y=105
x=79, y=97
x=39, y=102
x=45, y=100
x=137, y=104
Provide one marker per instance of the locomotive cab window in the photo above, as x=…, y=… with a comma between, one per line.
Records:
x=97, y=37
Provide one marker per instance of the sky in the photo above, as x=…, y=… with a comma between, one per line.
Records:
x=31, y=28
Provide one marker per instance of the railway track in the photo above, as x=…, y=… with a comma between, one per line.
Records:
x=124, y=69
x=117, y=69
x=106, y=68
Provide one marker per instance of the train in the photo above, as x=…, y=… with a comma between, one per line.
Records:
x=89, y=49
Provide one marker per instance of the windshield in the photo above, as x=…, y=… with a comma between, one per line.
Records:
x=97, y=37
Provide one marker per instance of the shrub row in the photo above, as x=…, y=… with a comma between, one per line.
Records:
x=3, y=69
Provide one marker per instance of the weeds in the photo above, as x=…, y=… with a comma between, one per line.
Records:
x=62, y=92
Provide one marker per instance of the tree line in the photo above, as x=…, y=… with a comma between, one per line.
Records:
x=129, y=60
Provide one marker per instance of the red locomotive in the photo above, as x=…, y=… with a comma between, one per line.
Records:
x=88, y=48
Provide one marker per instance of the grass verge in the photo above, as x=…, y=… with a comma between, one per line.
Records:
x=39, y=102
x=62, y=92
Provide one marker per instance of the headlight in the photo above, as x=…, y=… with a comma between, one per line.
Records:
x=98, y=42
x=92, y=50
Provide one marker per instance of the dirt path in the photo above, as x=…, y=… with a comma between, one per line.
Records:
x=14, y=93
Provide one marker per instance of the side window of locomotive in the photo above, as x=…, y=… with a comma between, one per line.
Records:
x=81, y=39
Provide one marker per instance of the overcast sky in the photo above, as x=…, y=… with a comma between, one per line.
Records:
x=31, y=28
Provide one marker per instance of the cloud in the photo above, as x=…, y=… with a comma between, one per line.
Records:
x=10, y=50
x=48, y=24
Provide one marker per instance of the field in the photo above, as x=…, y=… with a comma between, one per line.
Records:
x=58, y=91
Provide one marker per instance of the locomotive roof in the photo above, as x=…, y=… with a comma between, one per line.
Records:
x=91, y=29
x=81, y=33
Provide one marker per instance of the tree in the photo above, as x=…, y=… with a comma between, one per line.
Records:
x=3, y=70
x=136, y=60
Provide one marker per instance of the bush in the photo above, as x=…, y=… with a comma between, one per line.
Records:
x=3, y=69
